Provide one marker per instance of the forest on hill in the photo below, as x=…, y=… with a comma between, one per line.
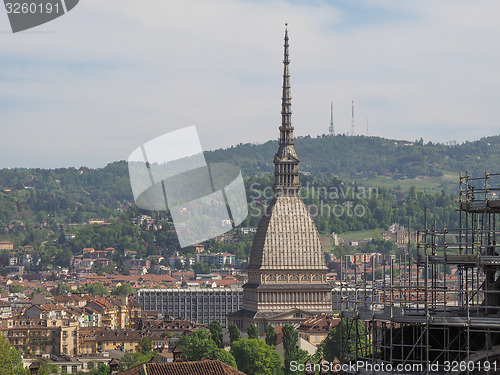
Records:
x=39, y=206
x=360, y=156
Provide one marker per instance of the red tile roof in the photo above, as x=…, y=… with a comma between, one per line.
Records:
x=205, y=367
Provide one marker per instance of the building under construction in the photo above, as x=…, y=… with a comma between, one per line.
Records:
x=436, y=311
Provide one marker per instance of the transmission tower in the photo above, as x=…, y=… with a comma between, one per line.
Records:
x=353, y=129
x=331, y=128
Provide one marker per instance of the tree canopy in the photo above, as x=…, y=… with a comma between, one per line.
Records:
x=216, y=331
x=200, y=345
x=10, y=359
x=123, y=290
x=253, y=331
x=271, y=335
x=96, y=289
x=234, y=333
x=255, y=357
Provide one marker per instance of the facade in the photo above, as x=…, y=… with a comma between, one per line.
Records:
x=96, y=340
x=218, y=259
x=6, y=245
x=287, y=270
x=39, y=336
x=399, y=235
x=202, y=305
x=316, y=329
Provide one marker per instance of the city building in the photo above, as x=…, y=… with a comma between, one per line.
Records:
x=96, y=340
x=6, y=245
x=399, y=235
x=316, y=329
x=287, y=280
x=218, y=259
x=202, y=305
x=42, y=336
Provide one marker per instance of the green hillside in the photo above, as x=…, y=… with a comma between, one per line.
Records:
x=372, y=159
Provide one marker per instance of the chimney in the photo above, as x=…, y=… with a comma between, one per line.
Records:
x=113, y=366
x=34, y=367
x=177, y=354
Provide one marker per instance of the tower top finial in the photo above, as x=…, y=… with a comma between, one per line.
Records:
x=286, y=160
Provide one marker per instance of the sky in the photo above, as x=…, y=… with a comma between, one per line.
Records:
x=93, y=85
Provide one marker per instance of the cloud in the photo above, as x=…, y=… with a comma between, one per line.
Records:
x=91, y=86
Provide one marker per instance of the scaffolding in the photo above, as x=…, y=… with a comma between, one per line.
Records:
x=436, y=311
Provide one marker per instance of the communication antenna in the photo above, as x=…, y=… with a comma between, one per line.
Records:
x=331, y=128
x=367, y=134
x=353, y=130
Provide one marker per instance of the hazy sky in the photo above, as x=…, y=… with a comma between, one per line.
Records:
x=91, y=86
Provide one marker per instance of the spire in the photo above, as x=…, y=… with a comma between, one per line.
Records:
x=332, y=129
x=286, y=161
x=286, y=99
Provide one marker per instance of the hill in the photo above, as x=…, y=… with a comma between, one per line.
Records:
x=37, y=205
x=369, y=158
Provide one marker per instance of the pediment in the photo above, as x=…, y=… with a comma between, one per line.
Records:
x=292, y=314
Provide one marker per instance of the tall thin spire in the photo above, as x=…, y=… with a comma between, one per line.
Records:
x=286, y=98
x=331, y=129
x=286, y=161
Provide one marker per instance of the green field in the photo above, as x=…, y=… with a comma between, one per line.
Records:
x=448, y=182
x=362, y=234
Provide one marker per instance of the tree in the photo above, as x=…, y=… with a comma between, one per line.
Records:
x=253, y=331
x=62, y=239
x=290, y=339
x=47, y=368
x=63, y=288
x=145, y=345
x=234, y=333
x=216, y=331
x=255, y=357
x=203, y=268
x=95, y=289
x=298, y=356
x=271, y=336
x=11, y=362
x=333, y=346
x=200, y=345
x=39, y=289
x=123, y=290
x=16, y=289
x=101, y=370
x=134, y=359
